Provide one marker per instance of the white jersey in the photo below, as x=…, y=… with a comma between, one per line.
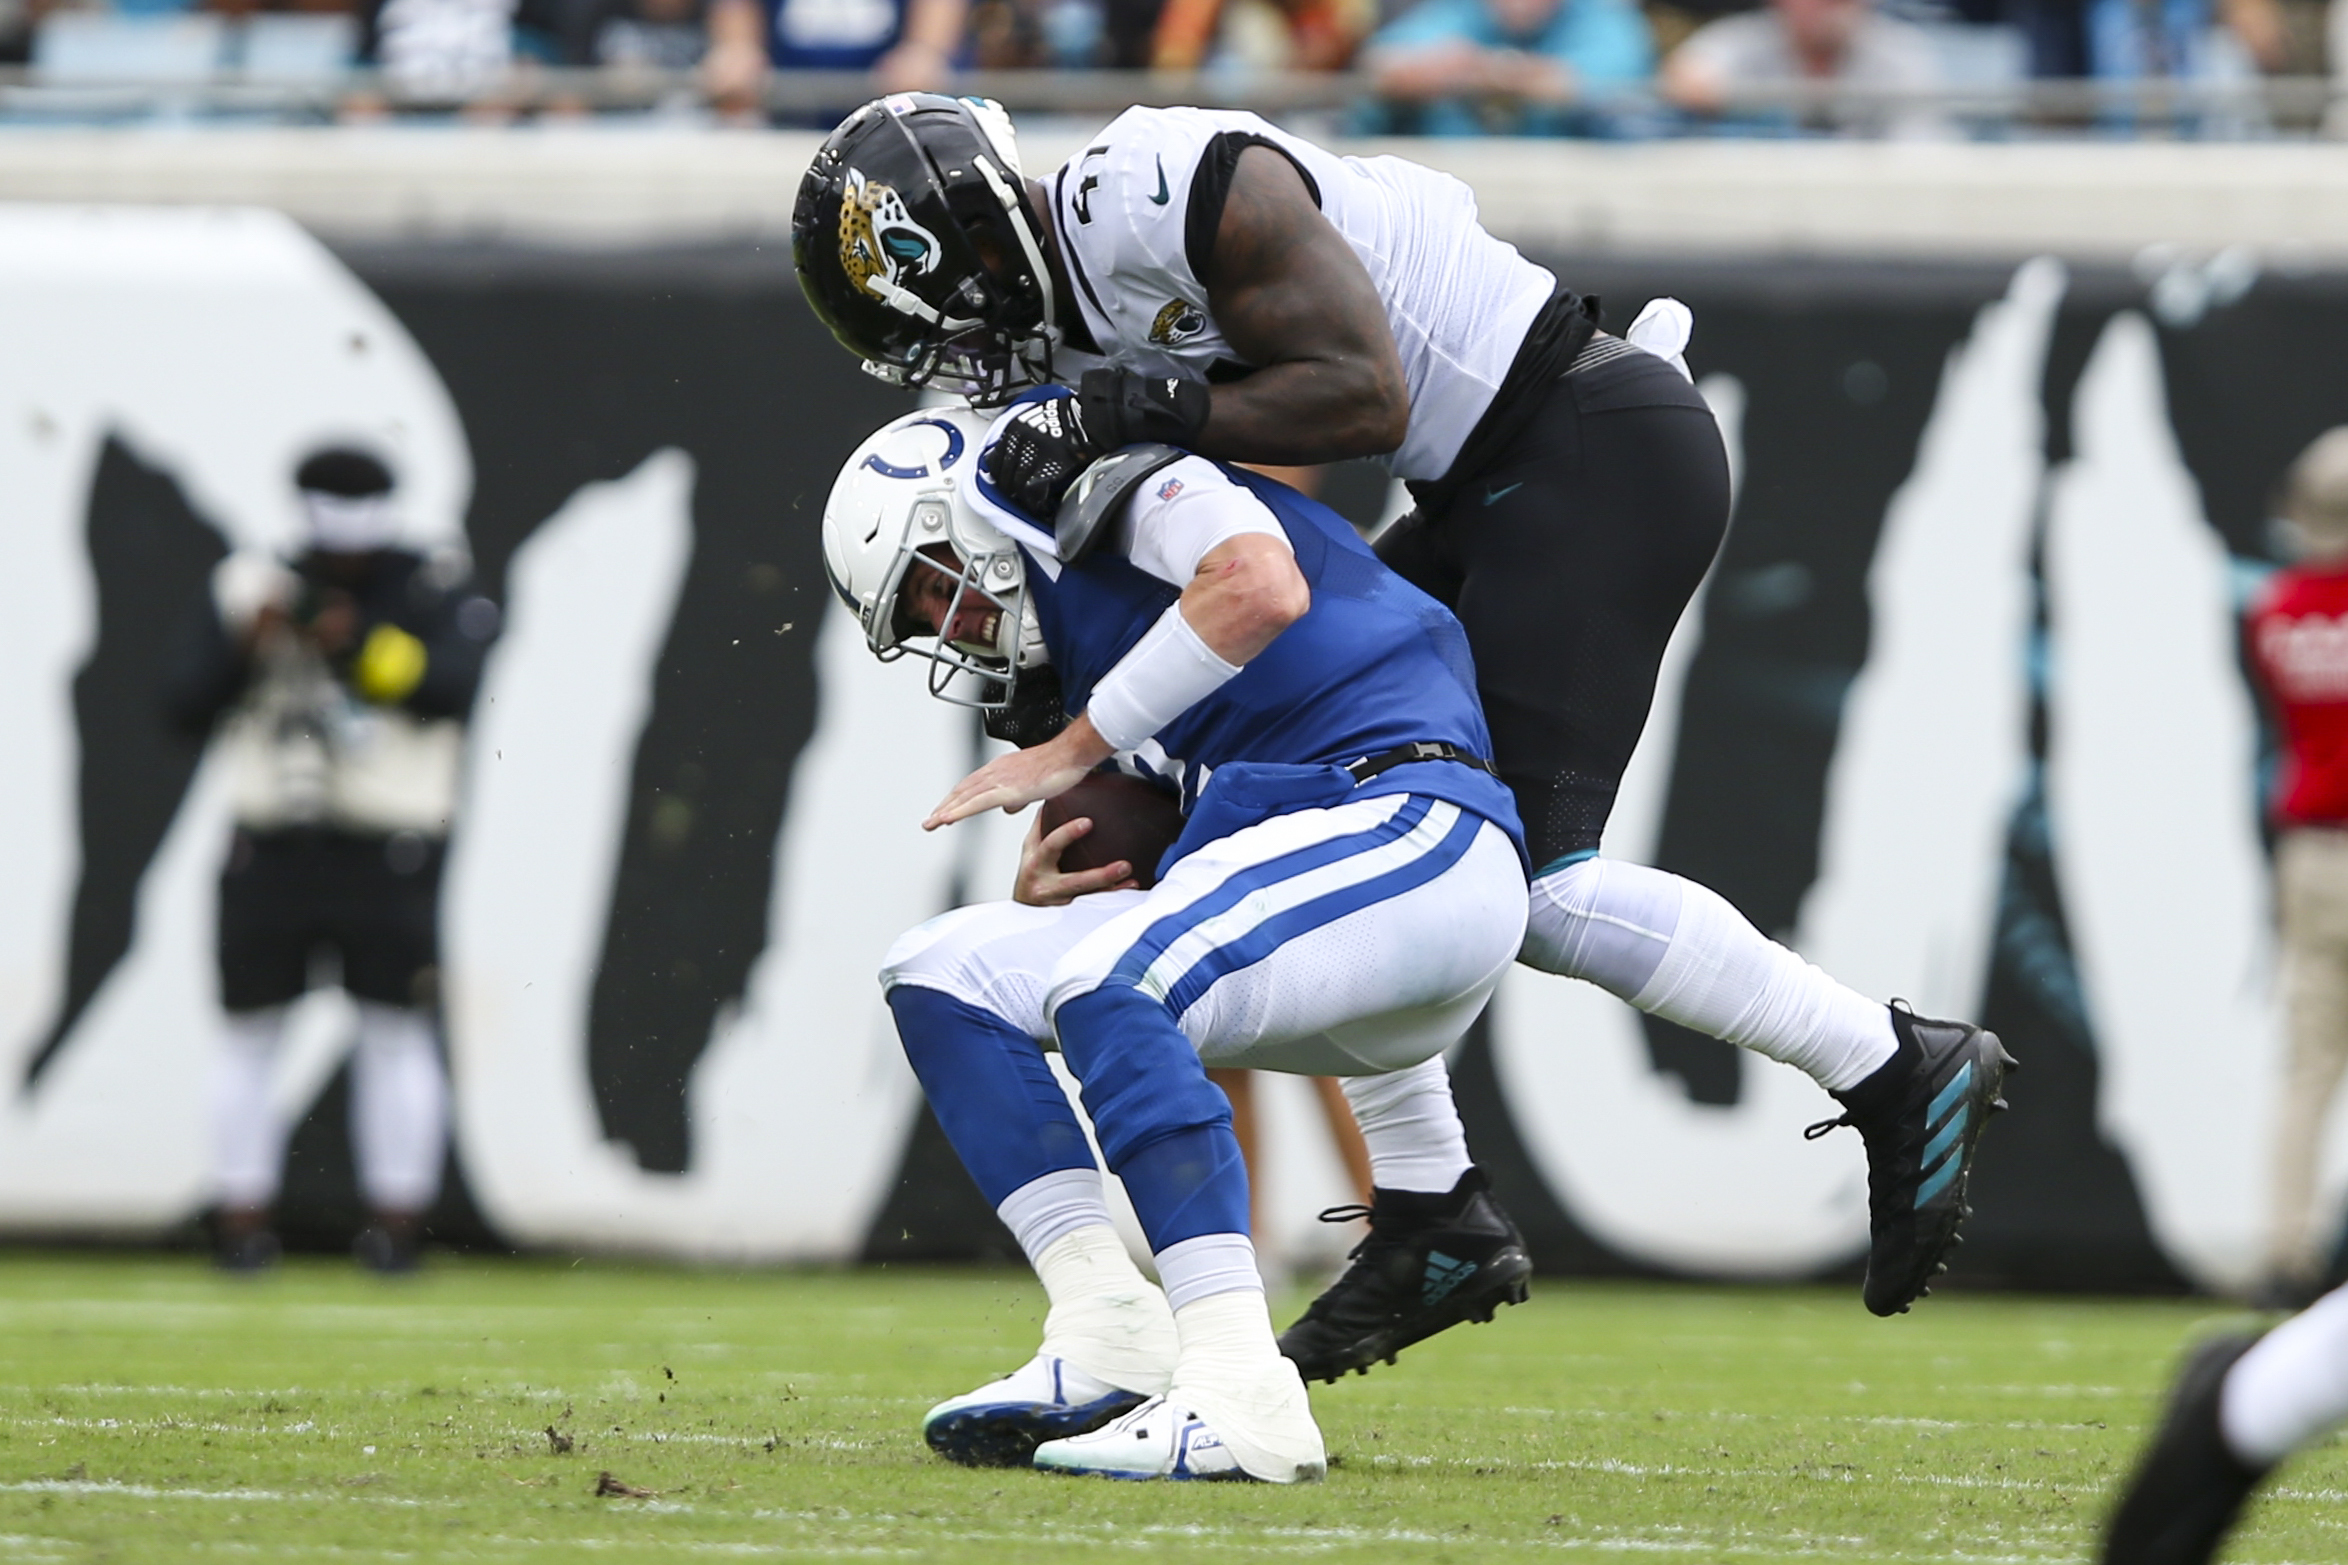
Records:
x=303, y=751
x=1136, y=213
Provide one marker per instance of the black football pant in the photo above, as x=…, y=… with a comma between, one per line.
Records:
x=373, y=901
x=1568, y=559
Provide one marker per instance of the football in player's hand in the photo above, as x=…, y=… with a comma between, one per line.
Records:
x=1131, y=820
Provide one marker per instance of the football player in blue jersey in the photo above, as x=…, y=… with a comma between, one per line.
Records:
x=1204, y=277
x=1347, y=890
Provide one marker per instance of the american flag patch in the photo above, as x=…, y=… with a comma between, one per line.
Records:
x=1170, y=488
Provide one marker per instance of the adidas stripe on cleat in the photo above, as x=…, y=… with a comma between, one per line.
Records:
x=1444, y=1273
x=1430, y=1262
x=1921, y=1115
x=1001, y=1423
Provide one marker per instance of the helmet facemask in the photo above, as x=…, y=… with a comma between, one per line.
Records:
x=980, y=668
x=987, y=599
x=986, y=366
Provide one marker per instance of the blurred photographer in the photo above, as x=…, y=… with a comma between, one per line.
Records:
x=339, y=682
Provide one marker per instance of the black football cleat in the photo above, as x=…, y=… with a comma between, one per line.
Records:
x=1430, y=1262
x=2189, y=1487
x=1921, y=1114
x=245, y=1251
x=389, y=1249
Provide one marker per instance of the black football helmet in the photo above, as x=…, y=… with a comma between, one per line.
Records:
x=914, y=242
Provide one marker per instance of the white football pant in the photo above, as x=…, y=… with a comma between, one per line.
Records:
x=399, y=1109
x=1382, y=987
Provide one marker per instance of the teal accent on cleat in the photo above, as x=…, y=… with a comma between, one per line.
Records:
x=1921, y=1115
x=1444, y=1273
x=1948, y=1095
x=1935, y=1149
x=1431, y=1261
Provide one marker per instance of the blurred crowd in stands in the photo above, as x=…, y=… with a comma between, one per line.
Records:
x=1606, y=68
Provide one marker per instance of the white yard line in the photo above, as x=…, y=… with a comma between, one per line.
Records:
x=168, y=1425
x=850, y=1534
x=138, y=1491
x=1725, y=1416
x=1817, y=1472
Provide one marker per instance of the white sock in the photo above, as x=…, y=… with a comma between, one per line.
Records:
x=1040, y=1212
x=1232, y=1375
x=1678, y=950
x=1412, y=1126
x=1106, y=1317
x=248, y=1134
x=1208, y=1264
x=399, y=1108
x=2291, y=1386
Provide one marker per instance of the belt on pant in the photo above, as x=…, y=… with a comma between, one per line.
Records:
x=1370, y=766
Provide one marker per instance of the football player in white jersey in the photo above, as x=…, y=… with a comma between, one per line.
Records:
x=1206, y=279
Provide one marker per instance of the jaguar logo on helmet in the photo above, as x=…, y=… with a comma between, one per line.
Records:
x=879, y=238
x=1177, y=323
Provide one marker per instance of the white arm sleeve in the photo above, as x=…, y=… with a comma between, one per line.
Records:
x=1166, y=673
x=1180, y=512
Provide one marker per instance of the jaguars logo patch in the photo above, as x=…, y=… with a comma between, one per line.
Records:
x=1177, y=323
x=880, y=239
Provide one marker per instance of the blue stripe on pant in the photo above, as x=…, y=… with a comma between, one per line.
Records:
x=1159, y=936
x=1164, y=1128
x=1276, y=931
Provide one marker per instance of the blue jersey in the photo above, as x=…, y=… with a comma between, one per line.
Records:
x=1373, y=665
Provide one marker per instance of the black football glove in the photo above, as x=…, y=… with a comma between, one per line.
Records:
x=1048, y=443
x=1124, y=409
x=1039, y=454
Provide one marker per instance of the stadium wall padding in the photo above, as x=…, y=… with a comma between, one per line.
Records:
x=1959, y=713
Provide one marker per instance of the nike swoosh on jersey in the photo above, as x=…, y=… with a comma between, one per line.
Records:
x=1493, y=495
x=1163, y=195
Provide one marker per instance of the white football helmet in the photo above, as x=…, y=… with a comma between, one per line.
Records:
x=905, y=493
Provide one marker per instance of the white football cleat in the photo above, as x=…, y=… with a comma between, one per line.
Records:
x=1002, y=1422
x=1158, y=1439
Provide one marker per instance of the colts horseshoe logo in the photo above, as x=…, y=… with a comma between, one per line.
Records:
x=921, y=470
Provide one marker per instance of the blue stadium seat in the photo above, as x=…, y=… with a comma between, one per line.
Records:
x=87, y=46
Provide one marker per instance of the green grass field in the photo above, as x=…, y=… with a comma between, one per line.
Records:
x=151, y=1411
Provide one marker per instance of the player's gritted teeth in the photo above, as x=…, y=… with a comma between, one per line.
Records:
x=936, y=605
x=975, y=625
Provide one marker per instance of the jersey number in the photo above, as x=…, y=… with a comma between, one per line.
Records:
x=1086, y=186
